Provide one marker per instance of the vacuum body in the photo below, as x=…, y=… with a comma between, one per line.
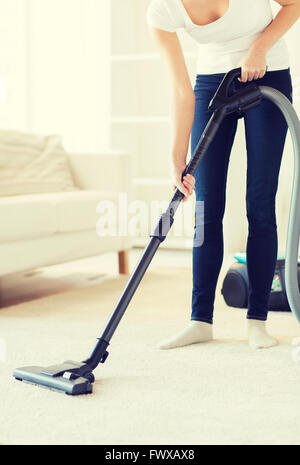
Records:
x=235, y=287
x=76, y=378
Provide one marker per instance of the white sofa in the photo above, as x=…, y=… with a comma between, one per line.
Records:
x=50, y=228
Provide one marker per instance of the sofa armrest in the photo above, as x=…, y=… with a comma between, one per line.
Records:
x=109, y=171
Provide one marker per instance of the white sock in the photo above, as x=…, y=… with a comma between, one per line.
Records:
x=197, y=331
x=258, y=335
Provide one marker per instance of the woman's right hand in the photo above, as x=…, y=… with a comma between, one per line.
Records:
x=187, y=185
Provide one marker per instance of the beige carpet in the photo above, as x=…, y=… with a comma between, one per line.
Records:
x=215, y=393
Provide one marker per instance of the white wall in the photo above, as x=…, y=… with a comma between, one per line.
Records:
x=70, y=72
x=56, y=64
x=13, y=64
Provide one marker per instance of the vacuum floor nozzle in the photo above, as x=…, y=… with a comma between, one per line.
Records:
x=62, y=377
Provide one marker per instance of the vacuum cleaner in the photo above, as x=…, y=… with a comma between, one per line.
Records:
x=235, y=287
x=75, y=378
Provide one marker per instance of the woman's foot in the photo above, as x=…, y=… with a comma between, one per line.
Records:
x=197, y=331
x=258, y=335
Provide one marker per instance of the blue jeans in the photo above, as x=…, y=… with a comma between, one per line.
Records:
x=265, y=130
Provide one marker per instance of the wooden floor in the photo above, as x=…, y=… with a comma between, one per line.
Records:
x=33, y=284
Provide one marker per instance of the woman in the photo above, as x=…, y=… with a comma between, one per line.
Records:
x=230, y=33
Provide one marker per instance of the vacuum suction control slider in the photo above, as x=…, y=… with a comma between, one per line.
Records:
x=242, y=100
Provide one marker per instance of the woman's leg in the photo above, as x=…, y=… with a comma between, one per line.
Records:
x=210, y=194
x=265, y=137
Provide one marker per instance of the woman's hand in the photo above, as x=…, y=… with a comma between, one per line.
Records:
x=253, y=65
x=187, y=185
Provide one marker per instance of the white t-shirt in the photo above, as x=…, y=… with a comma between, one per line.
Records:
x=224, y=42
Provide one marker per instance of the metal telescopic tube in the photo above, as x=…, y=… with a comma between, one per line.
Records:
x=292, y=245
x=130, y=289
x=99, y=353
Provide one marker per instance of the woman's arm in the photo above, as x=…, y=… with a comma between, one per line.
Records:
x=254, y=63
x=183, y=104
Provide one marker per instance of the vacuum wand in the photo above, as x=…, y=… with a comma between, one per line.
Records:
x=158, y=235
x=221, y=105
x=76, y=378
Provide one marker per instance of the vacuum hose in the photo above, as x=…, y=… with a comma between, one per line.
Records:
x=221, y=105
x=292, y=245
x=76, y=378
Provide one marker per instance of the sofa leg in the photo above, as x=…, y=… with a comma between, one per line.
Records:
x=124, y=262
x=1, y=293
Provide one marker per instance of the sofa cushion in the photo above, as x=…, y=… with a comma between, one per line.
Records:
x=26, y=217
x=33, y=164
x=40, y=215
x=76, y=211
x=59, y=248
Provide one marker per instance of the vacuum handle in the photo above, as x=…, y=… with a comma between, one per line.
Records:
x=221, y=96
x=223, y=89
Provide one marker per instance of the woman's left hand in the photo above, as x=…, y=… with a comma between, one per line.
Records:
x=253, y=65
